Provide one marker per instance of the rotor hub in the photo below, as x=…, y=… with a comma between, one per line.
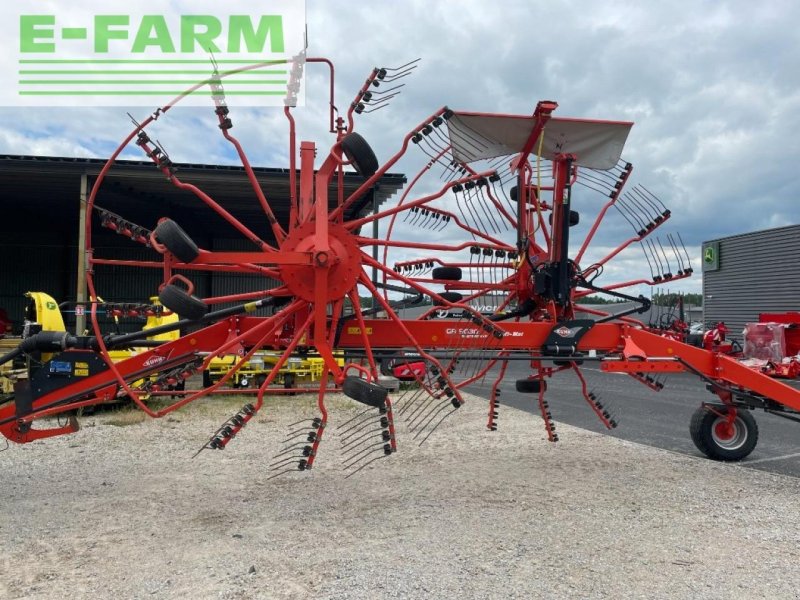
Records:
x=341, y=260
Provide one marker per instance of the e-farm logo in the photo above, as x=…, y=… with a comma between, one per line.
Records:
x=82, y=56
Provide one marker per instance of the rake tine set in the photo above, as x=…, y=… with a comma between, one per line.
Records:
x=654, y=383
x=121, y=226
x=422, y=406
x=610, y=182
x=594, y=402
x=415, y=268
x=370, y=434
x=427, y=218
x=480, y=209
x=369, y=438
x=229, y=429
x=298, y=447
x=657, y=257
x=372, y=97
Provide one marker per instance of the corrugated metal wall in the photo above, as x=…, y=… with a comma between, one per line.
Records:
x=32, y=263
x=758, y=272
x=226, y=284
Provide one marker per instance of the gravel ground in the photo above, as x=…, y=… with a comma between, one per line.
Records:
x=123, y=512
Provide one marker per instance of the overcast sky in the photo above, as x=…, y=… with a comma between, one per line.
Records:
x=713, y=89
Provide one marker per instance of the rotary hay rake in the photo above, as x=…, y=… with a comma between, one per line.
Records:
x=501, y=281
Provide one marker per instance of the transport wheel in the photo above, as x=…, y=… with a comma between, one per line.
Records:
x=448, y=273
x=530, y=386
x=177, y=241
x=574, y=218
x=365, y=392
x=359, y=153
x=181, y=302
x=719, y=440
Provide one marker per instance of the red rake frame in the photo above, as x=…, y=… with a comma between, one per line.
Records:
x=320, y=259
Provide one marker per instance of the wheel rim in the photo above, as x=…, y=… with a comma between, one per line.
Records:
x=729, y=436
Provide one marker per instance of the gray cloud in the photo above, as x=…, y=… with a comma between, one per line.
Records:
x=714, y=90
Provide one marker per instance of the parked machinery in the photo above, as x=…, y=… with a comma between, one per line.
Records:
x=494, y=230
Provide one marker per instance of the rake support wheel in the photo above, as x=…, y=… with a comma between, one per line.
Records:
x=718, y=439
x=360, y=154
x=176, y=240
x=182, y=303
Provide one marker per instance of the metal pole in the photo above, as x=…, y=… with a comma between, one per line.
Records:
x=375, y=207
x=80, y=295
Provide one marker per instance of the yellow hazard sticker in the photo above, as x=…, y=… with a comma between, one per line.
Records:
x=81, y=372
x=357, y=331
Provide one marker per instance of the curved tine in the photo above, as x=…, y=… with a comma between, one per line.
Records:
x=435, y=427
x=420, y=410
x=666, y=258
x=283, y=472
x=363, y=424
x=354, y=459
x=656, y=258
x=674, y=247
x=295, y=434
x=369, y=462
x=354, y=418
x=405, y=66
x=607, y=185
x=414, y=404
x=401, y=409
x=436, y=146
x=484, y=203
x=311, y=420
x=591, y=186
x=640, y=215
x=291, y=448
x=353, y=447
x=635, y=228
x=429, y=152
x=363, y=438
x=688, y=258
x=646, y=200
x=380, y=92
x=407, y=401
x=279, y=463
x=653, y=197
x=430, y=415
x=647, y=258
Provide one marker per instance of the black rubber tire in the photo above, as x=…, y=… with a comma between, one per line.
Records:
x=452, y=297
x=743, y=442
x=288, y=381
x=365, y=392
x=447, y=273
x=176, y=240
x=360, y=155
x=574, y=218
x=530, y=386
x=181, y=302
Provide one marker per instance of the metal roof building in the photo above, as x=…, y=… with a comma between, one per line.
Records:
x=41, y=243
x=751, y=273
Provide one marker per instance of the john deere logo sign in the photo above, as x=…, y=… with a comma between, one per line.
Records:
x=92, y=52
x=711, y=256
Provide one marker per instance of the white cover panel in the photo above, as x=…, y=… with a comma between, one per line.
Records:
x=596, y=144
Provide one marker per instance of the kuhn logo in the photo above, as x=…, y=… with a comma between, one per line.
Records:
x=566, y=332
x=154, y=360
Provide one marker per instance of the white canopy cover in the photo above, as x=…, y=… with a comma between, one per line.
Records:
x=595, y=144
